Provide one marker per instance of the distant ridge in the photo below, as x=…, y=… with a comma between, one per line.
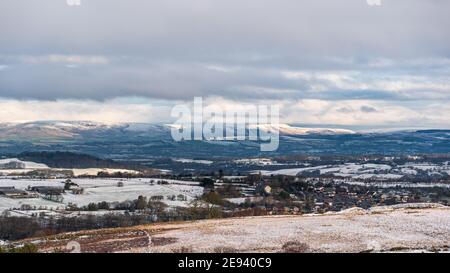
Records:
x=145, y=142
x=430, y=131
x=68, y=160
x=287, y=129
x=66, y=130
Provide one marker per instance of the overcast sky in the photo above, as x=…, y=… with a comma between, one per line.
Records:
x=323, y=61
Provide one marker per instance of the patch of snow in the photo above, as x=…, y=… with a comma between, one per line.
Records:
x=353, y=231
x=291, y=130
x=28, y=164
x=198, y=161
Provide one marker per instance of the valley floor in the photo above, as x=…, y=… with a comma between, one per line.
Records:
x=381, y=229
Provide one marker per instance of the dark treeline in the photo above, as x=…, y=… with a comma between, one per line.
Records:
x=143, y=212
x=73, y=160
x=16, y=228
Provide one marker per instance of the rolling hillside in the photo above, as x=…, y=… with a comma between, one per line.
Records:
x=412, y=228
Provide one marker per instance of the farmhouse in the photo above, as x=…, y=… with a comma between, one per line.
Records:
x=68, y=185
x=263, y=189
x=77, y=190
x=12, y=192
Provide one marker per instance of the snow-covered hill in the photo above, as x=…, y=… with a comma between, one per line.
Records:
x=286, y=129
x=48, y=129
x=72, y=129
x=385, y=229
x=14, y=163
x=143, y=139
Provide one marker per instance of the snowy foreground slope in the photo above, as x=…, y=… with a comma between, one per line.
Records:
x=421, y=227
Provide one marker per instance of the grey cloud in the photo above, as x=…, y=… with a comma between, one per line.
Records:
x=345, y=110
x=180, y=28
x=104, y=77
x=177, y=49
x=368, y=109
x=364, y=109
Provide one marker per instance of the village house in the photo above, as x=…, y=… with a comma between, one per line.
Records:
x=12, y=192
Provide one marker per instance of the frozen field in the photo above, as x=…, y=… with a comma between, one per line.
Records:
x=98, y=190
x=355, y=230
x=422, y=227
x=366, y=171
x=76, y=172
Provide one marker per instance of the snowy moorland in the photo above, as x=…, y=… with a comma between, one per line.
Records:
x=401, y=228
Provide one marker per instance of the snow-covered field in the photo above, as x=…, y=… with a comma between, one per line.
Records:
x=76, y=172
x=198, y=161
x=355, y=230
x=366, y=171
x=405, y=228
x=98, y=190
x=256, y=161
